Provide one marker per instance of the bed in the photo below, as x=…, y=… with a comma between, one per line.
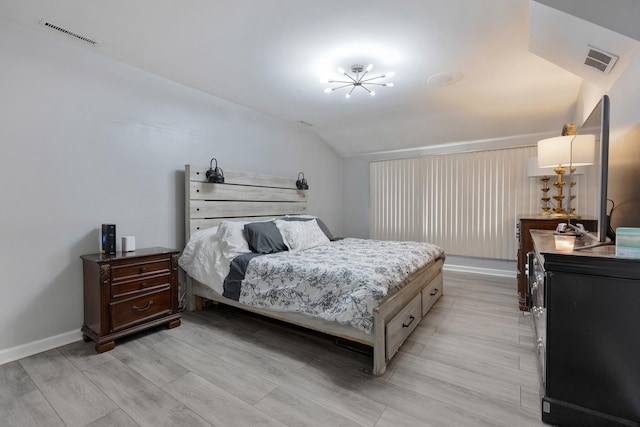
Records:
x=247, y=197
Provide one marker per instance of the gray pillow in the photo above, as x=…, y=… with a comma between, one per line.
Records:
x=264, y=237
x=321, y=224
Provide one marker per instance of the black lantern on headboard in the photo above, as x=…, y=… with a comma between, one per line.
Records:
x=215, y=175
x=301, y=183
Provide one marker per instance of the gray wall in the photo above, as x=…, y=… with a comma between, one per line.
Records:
x=85, y=140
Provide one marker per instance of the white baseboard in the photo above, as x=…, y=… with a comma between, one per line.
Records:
x=480, y=270
x=35, y=347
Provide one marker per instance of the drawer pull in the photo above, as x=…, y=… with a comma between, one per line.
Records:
x=135, y=307
x=435, y=291
x=144, y=284
x=143, y=269
x=411, y=319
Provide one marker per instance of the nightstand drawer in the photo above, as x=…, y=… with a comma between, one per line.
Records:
x=130, y=271
x=135, y=310
x=124, y=288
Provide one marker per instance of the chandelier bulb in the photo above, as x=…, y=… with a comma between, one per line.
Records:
x=390, y=74
x=372, y=93
x=369, y=67
x=341, y=70
x=348, y=95
x=389, y=84
x=328, y=90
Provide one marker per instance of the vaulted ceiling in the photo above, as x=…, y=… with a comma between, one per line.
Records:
x=270, y=55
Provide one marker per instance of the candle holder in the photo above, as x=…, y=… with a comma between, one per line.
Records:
x=564, y=243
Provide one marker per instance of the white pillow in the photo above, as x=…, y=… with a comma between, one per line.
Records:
x=301, y=235
x=208, y=236
x=231, y=235
x=201, y=258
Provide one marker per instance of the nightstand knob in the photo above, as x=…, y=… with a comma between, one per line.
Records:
x=143, y=269
x=144, y=284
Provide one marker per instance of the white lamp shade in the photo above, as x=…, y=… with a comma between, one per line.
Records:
x=554, y=151
x=534, y=171
x=558, y=151
x=583, y=150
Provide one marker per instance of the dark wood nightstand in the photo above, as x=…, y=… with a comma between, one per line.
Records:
x=129, y=292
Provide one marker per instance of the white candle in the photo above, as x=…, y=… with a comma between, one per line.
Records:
x=565, y=243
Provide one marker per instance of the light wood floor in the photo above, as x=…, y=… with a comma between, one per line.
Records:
x=471, y=362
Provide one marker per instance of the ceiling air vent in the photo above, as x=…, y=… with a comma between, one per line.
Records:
x=69, y=33
x=599, y=59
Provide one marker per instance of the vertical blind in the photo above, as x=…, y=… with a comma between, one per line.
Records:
x=467, y=203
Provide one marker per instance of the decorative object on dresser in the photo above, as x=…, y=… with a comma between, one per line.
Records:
x=129, y=292
x=525, y=245
x=628, y=242
x=587, y=326
x=557, y=152
x=533, y=171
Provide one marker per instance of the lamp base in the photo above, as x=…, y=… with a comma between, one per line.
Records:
x=564, y=215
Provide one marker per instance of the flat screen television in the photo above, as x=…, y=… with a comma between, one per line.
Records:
x=596, y=126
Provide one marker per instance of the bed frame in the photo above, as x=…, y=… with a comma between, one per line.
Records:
x=247, y=196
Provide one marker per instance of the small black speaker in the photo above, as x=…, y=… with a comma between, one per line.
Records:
x=109, y=239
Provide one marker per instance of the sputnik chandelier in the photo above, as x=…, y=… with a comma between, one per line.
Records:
x=357, y=80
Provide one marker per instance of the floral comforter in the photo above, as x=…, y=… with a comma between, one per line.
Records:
x=342, y=281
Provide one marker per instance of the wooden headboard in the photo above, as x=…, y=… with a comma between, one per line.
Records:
x=243, y=196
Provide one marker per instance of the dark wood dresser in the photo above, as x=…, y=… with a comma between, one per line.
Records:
x=129, y=292
x=525, y=245
x=587, y=326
